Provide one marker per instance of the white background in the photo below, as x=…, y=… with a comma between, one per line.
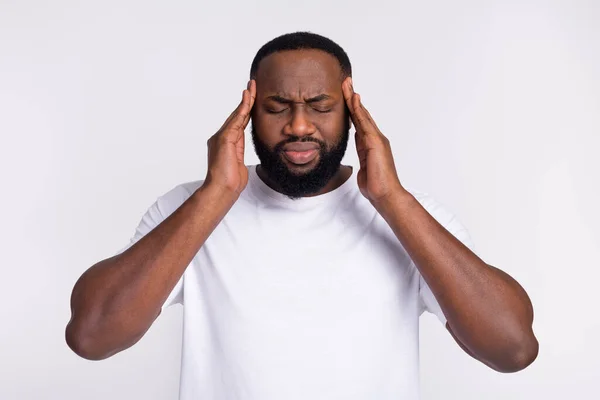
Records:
x=492, y=107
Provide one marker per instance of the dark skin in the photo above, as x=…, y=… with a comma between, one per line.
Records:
x=115, y=301
x=297, y=96
x=489, y=314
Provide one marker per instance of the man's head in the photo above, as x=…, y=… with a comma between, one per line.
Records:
x=299, y=104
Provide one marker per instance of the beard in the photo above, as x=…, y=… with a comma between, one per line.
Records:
x=295, y=185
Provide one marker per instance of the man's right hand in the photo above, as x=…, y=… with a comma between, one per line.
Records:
x=116, y=300
x=226, y=168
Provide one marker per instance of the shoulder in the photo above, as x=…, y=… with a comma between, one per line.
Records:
x=438, y=210
x=434, y=207
x=170, y=201
x=444, y=216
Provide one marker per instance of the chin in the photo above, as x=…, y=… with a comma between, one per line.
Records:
x=300, y=169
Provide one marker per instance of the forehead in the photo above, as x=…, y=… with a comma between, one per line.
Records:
x=297, y=72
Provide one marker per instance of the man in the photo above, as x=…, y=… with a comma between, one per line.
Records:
x=301, y=278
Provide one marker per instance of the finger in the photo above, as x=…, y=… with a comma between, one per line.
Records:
x=241, y=113
x=232, y=115
x=229, y=118
x=364, y=109
x=360, y=150
x=360, y=117
x=367, y=113
x=244, y=112
x=252, y=90
x=348, y=91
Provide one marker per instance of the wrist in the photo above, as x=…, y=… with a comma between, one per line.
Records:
x=215, y=196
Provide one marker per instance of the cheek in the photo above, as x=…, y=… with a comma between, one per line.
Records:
x=267, y=129
x=330, y=125
x=262, y=121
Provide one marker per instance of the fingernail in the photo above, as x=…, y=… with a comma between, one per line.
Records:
x=248, y=85
x=350, y=83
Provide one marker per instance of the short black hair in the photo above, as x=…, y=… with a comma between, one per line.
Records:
x=302, y=41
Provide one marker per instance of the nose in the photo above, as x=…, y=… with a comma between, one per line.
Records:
x=300, y=123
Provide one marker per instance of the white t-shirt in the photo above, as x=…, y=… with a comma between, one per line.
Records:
x=302, y=299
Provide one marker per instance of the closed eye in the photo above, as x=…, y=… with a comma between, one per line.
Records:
x=318, y=109
x=275, y=111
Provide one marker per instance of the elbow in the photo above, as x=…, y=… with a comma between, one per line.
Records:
x=94, y=343
x=519, y=357
x=83, y=344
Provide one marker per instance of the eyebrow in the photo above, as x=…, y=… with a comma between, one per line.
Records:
x=283, y=100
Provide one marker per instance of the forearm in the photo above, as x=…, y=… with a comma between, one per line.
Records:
x=487, y=310
x=115, y=301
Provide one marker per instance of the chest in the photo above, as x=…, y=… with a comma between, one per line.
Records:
x=314, y=266
x=328, y=300
x=318, y=304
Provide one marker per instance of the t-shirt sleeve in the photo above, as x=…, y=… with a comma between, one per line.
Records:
x=427, y=301
x=153, y=216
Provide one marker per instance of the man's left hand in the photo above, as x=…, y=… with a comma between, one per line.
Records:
x=377, y=176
